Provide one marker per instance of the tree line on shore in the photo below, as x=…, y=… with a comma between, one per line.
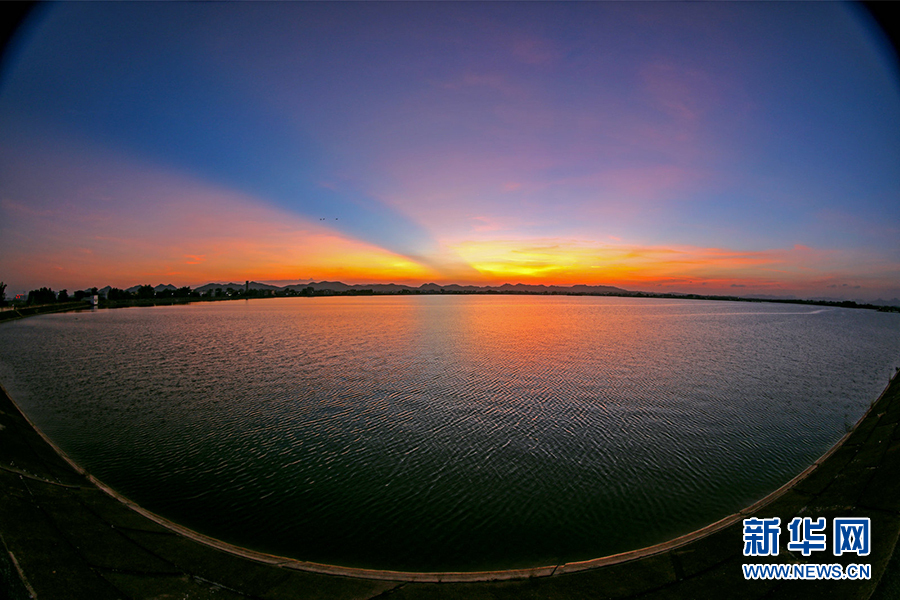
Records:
x=147, y=294
x=117, y=296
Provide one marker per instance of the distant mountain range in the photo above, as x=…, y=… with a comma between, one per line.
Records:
x=254, y=285
x=395, y=288
x=160, y=288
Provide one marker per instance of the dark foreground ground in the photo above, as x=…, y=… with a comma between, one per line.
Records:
x=64, y=535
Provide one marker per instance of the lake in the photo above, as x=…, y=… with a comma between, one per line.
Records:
x=448, y=432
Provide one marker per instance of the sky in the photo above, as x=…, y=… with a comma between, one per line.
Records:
x=717, y=148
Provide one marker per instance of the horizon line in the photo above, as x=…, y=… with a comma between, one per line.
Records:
x=608, y=289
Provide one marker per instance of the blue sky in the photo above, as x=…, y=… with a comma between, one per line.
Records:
x=691, y=147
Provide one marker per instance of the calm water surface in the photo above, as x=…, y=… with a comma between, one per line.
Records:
x=448, y=433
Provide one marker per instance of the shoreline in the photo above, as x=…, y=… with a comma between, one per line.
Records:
x=20, y=311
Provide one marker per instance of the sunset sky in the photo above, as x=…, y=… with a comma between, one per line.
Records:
x=722, y=148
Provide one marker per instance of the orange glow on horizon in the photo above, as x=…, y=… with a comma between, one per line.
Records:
x=203, y=233
x=656, y=268
x=275, y=247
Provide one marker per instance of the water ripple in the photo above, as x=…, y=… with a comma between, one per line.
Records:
x=448, y=432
